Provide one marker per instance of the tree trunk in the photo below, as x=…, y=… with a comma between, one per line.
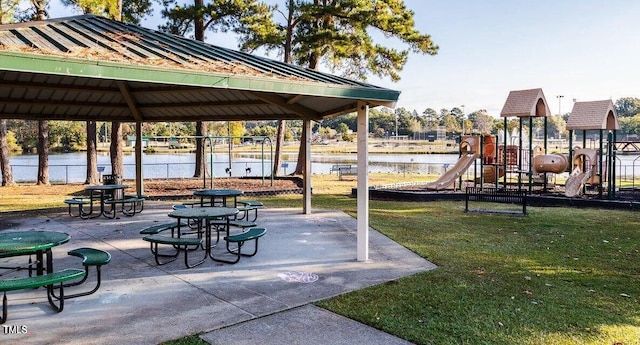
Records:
x=201, y=127
x=116, y=149
x=282, y=125
x=201, y=157
x=92, y=156
x=302, y=155
x=7, y=174
x=43, y=152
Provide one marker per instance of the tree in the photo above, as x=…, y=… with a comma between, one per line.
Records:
x=556, y=126
x=7, y=173
x=481, y=121
x=220, y=15
x=111, y=9
x=451, y=123
x=630, y=125
x=7, y=14
x=105, y=8
x=8, y=11
x=43, y=152
x=627, y=106
x=337, y=33
x=431, y=117
x=92, y=149
x=40, y=13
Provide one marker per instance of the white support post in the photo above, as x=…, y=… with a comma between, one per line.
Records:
x=139, y=175
x=306, y=132
x=363, y=183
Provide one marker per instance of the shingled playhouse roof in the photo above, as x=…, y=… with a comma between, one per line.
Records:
x=525, y=103
x=593, y=115
x=92, y=68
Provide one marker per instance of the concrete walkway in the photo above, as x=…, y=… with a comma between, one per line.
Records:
x=264, y=299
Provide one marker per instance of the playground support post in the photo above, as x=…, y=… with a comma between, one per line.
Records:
x=544, y=185
x=504, y=153
x=530, y=154
x=600, y=165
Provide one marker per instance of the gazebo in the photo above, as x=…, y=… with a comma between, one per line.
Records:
x=89, y=68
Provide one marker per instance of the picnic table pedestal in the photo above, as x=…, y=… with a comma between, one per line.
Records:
x=206, y=215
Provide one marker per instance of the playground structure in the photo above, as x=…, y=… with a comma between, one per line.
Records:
x=518, y=163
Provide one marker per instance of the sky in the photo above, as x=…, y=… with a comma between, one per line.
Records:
x=582, y=50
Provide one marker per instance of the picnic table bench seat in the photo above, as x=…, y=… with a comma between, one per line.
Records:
x=80, y=203
x=252, y=234
x=178, y=243
x=90, y=257
x=131, y=203
x=158, y=228
x=243, y=223
x=247, y=206
x=48, y=280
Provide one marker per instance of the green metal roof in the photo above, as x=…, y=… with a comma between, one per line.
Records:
x=92, y=68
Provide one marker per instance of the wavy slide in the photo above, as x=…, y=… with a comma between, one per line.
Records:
x=577, y=179
x=449, y=177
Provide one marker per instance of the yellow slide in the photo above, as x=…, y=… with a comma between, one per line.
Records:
x=449, y=177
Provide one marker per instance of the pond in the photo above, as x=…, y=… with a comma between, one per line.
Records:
x=70, y=167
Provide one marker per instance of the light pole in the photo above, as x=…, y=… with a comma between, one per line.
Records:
x=560, y=97
x=560, y=111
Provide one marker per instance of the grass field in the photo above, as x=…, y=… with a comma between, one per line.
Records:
x=556, y=276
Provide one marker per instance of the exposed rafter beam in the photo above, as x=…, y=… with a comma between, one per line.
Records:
x=294, y=99
x=282, y=102
x=224, y=104
x=128, y=97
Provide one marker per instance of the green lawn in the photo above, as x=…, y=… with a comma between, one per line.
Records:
x=556, y=276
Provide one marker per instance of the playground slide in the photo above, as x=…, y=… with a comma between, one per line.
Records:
x=449, y=177
x=577, y=179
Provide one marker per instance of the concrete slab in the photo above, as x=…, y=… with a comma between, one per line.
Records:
x=306, y=325
x=302, y=259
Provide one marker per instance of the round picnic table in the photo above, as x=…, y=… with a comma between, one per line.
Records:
x=218, y=194
x=206, y=214
x=104, y=192
x=15, y=243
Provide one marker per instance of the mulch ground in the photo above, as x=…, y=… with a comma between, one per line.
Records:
x=185, y=187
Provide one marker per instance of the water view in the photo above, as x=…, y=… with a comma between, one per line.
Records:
x=70, y=167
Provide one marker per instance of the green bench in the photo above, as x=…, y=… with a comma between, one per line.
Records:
x=158, y=228
x=48, y=280
x=178, y=243
x=80, y=203
x=252, y=234
x=132, y=204
x=248, y=206
x=243, y=224
x=90, y=257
